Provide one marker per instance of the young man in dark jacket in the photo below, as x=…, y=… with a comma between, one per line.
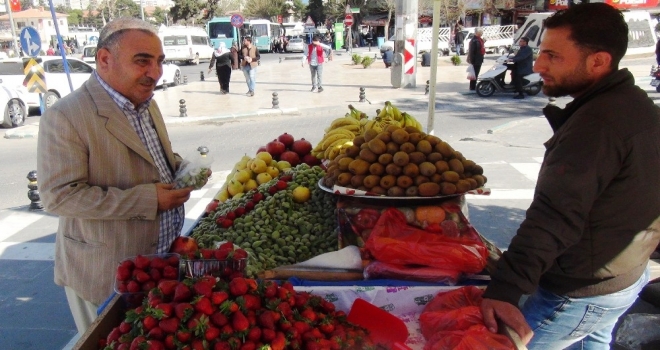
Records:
x=523, y=63
x=582, y=250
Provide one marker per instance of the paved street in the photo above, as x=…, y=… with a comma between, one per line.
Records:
x=505, y=136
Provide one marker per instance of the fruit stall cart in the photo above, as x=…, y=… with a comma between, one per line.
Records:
x=376, y=199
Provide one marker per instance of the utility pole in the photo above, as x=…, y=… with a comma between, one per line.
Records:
x=13, y=29
x=406, y=23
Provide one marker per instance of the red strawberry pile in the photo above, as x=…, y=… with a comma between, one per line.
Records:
x=142, y=273
x=209, y=313
x=225, y=261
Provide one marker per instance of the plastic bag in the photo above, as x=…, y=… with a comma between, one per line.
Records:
x=193, y=173
x=378, y=269
x=470, y=72
x=393, y=241
x=477, y=337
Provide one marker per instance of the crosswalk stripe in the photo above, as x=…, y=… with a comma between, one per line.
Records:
x=27, y=251
x=529, y=170
x=499, y=193
x=17, y=221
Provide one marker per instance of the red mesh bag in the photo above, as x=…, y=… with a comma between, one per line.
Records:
x=477, y=337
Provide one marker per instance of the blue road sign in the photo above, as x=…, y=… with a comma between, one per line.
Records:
x=30, y=41
x=236, y=20
x=93, y=39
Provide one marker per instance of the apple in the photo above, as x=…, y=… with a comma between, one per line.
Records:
x=275, y=148
x=281, y=185
x=183, y=245
x=258, y=197
x=301, y=147
x=290, y=156
x=286, y=139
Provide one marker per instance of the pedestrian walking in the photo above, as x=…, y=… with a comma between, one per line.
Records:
x=476, y=54
x=314, y=55
x=222, y=60
x=582, y=252
x=249, y=62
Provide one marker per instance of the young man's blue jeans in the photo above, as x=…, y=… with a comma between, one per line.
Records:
x=317, y=75
x=250, y=74
x=561, y=322
x=458, y=49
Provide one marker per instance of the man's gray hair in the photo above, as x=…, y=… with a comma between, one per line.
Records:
x=479, y=30
x=112, y=32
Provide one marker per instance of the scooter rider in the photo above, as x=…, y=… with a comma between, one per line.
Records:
x=523, y=63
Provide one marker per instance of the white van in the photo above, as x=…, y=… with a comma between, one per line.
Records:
x=185, y=44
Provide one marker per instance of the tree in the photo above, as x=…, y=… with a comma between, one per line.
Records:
x=264, y=8
x=385, y=6
x=160, y=16
x=316, y=11
x=26, y=4
x=75, y=17
x=218, y=8
x=186, y=9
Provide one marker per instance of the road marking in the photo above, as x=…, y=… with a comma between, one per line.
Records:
x=500, y=193
x=16, y=221
x=27, y=251
x=529, y=170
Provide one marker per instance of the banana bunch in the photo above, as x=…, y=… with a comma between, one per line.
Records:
x=356, y=113
x=373, y=124
x=338, y=137
x=409, y=120
x=391, y=111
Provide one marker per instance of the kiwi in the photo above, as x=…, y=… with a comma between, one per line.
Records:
x=411, y=170
x=384, y=136
x=358, y=141
x=424, y=147
x=331, y=168
x=359, y=167
x=388, y=181
x=447, y=188
x=428, y=189
x=420, y=179
x=401, y=158
x=437, y=178
x=417, y=157
x=427, y=169
x=377, y=146
x=392, y=147
x=357, y=180
x=451, y=176
x=376, y=169
x=477, y=170
x=352, y=151
x=368, y=156
x=412, y=191
x=378, y=190
x=456, y=165
x=415, y=137
x=458, y=155
x=443, y=148
x=328, y=181
x=343, y=163
x=411, y=129
x=391, y=128
x=479, y=179
x=368, y=135
x=434, y=157
x=344, y=179
x=370, y=181
x=463, y=186
x=400, y=136
x=385, y=158
x=473, y=183
x=393, y=169
x=396, y=191
x=468, y=165
x=441, y=166
x=432, y=139
x=407, y=147
x=404, y=181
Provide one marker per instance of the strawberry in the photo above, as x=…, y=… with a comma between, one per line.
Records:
x=301, y=299
x=248, y=345
x=240, y=211
x=158, y=263
x=284, y=324
x=203, y=305
x=114, y=335
x=212, y=206
x=166, y=308
x=148, y=286
x=292, y=333
x=254, y=334
x=138, y=342
x=203, y=288
x=218, y=298
x=231, y=216
x=141, y=276
x=128, y=264
x=327, y=306
x=206, y=253
x=286, y=178
x=167, y=286
x=258, y=197
x=169, y=325
x=170, y=273
x=281, y=185
x=270, y=289
x=156, y=333
x=222, y=345
x=279, y=343
x=182, y=293
x=226, y=331
x=133, y=287
x=219, y=319
x=272, y=190
x=239, y=322
x=265, y=320
x=227, y=245
x=252, y=302
x=149, y=323
x=155, y=275
x=228, y=307
x=172, y=261
x=198, y=344
x=302, y=327
x=267, y=335
x=309, y=314
x=183, y=311
x=125, y=327
x=183, y=335
x=234, y=342
x=123, y=273
x=222, y=254
x=238, y=286
x=285, y=309
x=249, y=206
x=155, y=345
x=141, y=262
x=326, y=326
x=170, y=342
x=211, y=333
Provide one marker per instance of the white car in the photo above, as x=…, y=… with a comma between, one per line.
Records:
x=89, y=55
x=13, y=106
x=295, y=44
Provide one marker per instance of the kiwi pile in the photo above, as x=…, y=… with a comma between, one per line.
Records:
x=403, y=162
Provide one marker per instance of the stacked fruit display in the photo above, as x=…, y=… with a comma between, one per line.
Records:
x=206, y=313
x=225, y=261
x=339, y=135
x=403, y=162
x=283, y=221
x=278, y=155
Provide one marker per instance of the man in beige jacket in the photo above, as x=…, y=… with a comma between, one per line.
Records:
x=106, y=167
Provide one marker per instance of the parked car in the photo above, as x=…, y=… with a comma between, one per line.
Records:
x=296, y=44
x=89, y=55
x=14, y=108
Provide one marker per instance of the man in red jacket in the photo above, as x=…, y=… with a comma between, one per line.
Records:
x=315, y=57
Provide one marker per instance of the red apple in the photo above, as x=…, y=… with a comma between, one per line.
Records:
x=310, y=160
x=281, y=185
x=292, y=157
x=184, y=245
x=275, y=148
x=301, y=147
x=258, y=197
x=286, y=139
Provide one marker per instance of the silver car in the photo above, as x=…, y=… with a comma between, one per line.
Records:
x=295, y=44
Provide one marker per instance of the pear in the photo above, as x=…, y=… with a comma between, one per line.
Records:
x=237, y=195
x=265, y=156
x=263, y=178
x=250, y=185
x=283, y=164
x=272, y=171
x=243, y=176
x=222, y=195
x=242, y=164
x=234, y=187
x=258, y=166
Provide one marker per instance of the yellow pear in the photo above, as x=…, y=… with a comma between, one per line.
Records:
x=234, y=187
x=222, y=195
x=273, y=163
x=263, y=178
x=283, y=164
x=258, y=166
x=242, y=164
x=265, y=156
x=238, y=195
x=272, y=171
x=248, y=164
x=246, y=157
x=250, y=185
x=243, y=175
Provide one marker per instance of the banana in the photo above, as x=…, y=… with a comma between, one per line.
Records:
x=364, y=122
x=339, y=143
x=396, y=113
x=339, y=122
x=352, y=128
x=342, y=130
x=331, y=153
x=327, y=141
x=382, y=113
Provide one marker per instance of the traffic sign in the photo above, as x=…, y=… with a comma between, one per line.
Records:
x=348, y=20
x=236, y=20
x=30, y=41
x=35, y=80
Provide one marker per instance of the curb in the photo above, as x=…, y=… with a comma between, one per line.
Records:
x=30, y=131
x=259, y=113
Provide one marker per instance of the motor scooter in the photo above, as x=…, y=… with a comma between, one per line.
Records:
x=492, y=80
x=655, y=77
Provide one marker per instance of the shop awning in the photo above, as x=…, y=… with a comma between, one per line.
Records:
x=375, y=20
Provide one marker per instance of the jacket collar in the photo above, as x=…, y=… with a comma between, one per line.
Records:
x=557, y=116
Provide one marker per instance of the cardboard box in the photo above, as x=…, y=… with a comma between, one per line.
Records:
x=111, y=317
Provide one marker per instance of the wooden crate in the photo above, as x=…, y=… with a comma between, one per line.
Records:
x=111, y=317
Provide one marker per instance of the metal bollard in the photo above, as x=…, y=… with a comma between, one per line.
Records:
x=201, y=75
x=185, y=79
x=276, y=101
x=428, y=86
x=183, y=112
x=33, y=193
x=203, y=150
x=280, y=60
x=552, y=101
x=363, y=97
x=164, y=84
